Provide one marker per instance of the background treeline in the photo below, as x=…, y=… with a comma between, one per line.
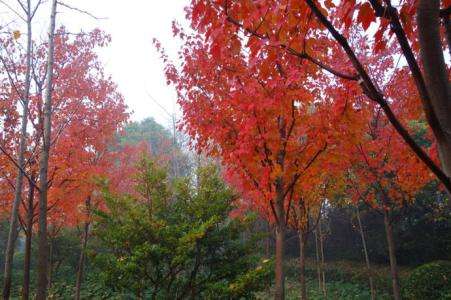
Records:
x=422, y=232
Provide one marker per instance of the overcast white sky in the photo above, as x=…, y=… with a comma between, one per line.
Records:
x=131, y=58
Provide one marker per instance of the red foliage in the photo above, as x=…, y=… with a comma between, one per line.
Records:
x=88, y=112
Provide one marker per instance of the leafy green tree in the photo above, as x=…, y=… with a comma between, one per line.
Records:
x=163, y=144
x=148, y=131
x=175, y=240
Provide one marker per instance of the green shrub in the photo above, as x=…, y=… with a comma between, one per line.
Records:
x=176, y=240
x=429, y=281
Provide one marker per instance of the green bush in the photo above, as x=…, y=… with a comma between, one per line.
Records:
x=430, y=281
x=176, y=240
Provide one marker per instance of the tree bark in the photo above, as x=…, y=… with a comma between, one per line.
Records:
x=323, y=271
x=13, y=223
x=41, y=292
x=29, y=235
x=370, y=89
x=392, y=255
x=81, y=262
x=279, y=211
x=447, y=23
x=50, y=268
x=302, y=246
x=268, y=249
x=318, y=267
x=279, y=268
x=367, y=259
x=436, y=76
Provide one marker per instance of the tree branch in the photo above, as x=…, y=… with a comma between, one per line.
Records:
x=80, y=11
x=18, y=167
x=373, y=93
x=302, y=55
x=390, y=13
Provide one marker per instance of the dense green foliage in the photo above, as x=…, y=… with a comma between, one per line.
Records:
x=430, y=281
x=177, y=241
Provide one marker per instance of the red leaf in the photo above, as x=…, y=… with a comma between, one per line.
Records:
x=366, y=15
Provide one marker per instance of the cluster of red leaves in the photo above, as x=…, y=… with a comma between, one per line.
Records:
x=264, y=78
x=88, y=112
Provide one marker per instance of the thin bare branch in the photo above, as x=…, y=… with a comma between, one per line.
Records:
x=23, y=6
x=36, y=8
x=81, y=11
x=13, y=10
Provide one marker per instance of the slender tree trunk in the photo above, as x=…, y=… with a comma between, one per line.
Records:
x=392, y=256
x=280, y=272
x=323, y=269
x=267, y=250
x=139, y=295
x=318, y=264
x=84, y=243
x=50, y=265
x=280, y=237
x=302, y=246
x=41, y=291
x=367, y=259
x=13, y=223
x=436, y=75
x=29, y=235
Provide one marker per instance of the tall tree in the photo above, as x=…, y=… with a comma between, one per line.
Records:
x=268, y=129
x=24, y=94
x=41, y=291
x=386, y=175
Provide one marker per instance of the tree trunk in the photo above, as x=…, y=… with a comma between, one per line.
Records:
x=392, y=256
x=12, y=234
x=367, y=259
x=436, y=76
x=267, y=249
x=280, y=237
x=280, y=274
x=50, y=268
x=318, y=267
x=302, y=245
x=81, y=262
x=29, y=235
x=41, y=291
x=323, y=271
